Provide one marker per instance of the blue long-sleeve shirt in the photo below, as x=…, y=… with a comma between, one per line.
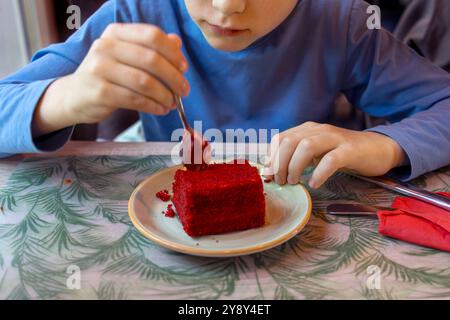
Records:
x=286, y=78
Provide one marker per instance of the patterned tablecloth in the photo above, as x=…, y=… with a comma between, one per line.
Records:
x=65, y=234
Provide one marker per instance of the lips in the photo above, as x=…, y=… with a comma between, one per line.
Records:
x=223, y=31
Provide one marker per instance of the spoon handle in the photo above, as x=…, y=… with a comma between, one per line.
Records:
x=180, y=108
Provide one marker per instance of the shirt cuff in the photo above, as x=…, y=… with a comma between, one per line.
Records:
x=17, y=135
x=414, y=166
x=5, y=155
x=54, y=141
x=49, y=143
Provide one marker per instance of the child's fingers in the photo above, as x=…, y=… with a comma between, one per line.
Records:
x=274, y=145
x=279, y=166
x=273, y=164
x=177, y=39
x=150, y=37
x=114, y=95
x=305, y=129
x=330, y=163
x=281, y=160
x=308, y=149
x=151, y=61
x=301, y=129
x=138, y=81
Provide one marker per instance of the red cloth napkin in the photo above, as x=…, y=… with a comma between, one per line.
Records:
x=417, y=222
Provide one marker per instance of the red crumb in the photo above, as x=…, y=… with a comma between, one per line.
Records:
x=163, y=196
x=67, y=181
x=267, y=180
x=170, y=213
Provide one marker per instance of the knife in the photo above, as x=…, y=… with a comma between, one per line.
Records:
x=408, y=190
x=355, y=209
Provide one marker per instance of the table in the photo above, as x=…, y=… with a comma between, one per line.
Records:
x=65, y=234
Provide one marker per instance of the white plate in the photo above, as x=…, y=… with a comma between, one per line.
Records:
x=288, y=209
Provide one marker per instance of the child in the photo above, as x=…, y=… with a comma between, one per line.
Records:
x=240, y=64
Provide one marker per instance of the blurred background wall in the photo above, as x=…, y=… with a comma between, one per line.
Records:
x=13, y=42
x=60, y=7
x=26, y=26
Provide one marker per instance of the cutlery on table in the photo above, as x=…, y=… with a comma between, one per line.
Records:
x=355, y=209
x=408, y=190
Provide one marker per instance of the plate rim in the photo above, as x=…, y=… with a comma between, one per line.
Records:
x=219, y=252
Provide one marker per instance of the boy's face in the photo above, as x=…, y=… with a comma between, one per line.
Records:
x=233, y=25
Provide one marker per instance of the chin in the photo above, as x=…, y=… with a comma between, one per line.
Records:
x=231, y=45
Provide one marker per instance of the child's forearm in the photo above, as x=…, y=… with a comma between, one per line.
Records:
x=52, y=113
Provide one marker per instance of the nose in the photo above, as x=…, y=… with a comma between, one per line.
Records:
x=229, y=7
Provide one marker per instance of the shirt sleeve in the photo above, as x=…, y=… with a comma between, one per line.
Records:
x=387, y=79
x=21, y=92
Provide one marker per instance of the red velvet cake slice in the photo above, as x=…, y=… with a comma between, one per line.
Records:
x=220, y=199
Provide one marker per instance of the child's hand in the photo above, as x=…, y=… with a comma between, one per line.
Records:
x=133, y=66
x=367, y=153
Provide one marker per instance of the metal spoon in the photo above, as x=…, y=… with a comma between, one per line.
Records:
x=190, y=166
x=180, y=108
